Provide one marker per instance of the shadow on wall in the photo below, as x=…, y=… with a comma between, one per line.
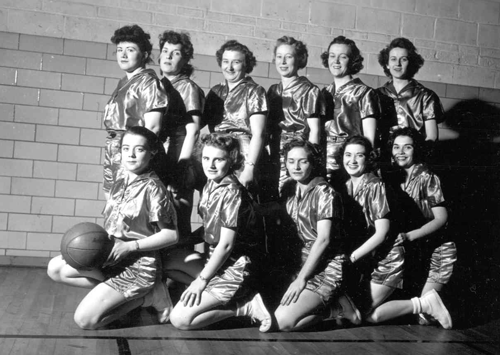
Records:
x=469, y=167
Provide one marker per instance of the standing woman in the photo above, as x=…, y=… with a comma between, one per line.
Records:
x=239, y=106
x=296, y=105
x=181, y=123
x=138, y=100
x=352, y=107
x=406, y=102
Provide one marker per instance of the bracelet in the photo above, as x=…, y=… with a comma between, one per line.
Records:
x=202, y=278
x=137, y=245
x=249, y=163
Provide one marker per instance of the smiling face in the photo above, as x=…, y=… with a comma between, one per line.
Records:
x=398, y=63
x=171, y=60
x=136, y=153
x=298, y=165
x=233, y=66
x=338, y=60
x=216, y=163
x=286, y=61
x=403, y=152
x=129, y=56
x=355, y=159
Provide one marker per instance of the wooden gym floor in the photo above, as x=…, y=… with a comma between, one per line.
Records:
x=36, y=317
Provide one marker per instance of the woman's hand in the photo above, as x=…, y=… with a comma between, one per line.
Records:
x=120, y=250
x=293, y=292
x=401, y=239
x=192, y=295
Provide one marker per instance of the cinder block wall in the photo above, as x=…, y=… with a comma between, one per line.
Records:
x=57, y=72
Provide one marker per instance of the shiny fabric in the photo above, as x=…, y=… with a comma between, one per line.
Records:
x=346, y=109
x=318, y=202
x=112, y=158
x=411, y=107
x=389, y=270
x=442, y=260
x=289, y=109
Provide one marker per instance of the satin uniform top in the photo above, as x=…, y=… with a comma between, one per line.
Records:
x=348, y=107
x=290, y=107
x=230, y=110
x=133, y=98
x=133, y=209
x=411, y=107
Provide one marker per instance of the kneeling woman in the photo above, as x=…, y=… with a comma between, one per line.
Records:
x=140, y=217
x=221, y=282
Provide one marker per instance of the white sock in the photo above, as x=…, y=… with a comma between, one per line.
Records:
x=417, y=306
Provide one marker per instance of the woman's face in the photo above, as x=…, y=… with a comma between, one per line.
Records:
x=403, y=152
x=298, y=165
x=129, y=56
x=171, y=60
x=355, y=159
x=216, y=163
x=338, y=60
x=286, y=61
x=233, y=66
x=398, y=63
x=136, y=153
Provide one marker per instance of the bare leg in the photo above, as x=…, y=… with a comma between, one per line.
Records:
x=431, y=285
x=381, y=312
x=60, y=271
x=300, y=314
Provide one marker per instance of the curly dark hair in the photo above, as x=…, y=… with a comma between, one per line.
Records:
x=300, y=50
x=369, y=152
x=355, y=57
x=313, y=151
x=187, y=49
x=227, y=143
x=419, y=146
x=415, y=60
x=233, y=45
x=151, y=137
x=134, y=34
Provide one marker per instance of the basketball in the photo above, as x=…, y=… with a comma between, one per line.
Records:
x=86, y=246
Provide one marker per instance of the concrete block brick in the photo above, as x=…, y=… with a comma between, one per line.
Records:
x=3, y=220
x=274, y=34
x=489, y=95
x=9, y=40
x=418, y=26
x=461, y=92
x=63, y=135
x=244, y=20
x=481, y=11
x=261, y=69
x=237, y=7
x=316, y=40
x=23, y=4
x=218, y=16
x=94, y=102
x=53, y=206
x=72, y=154
x=321, y=30
x=6, y=149
x=38, y=79
x=368, y=79
x=264, y=82
x=102, y=197
x=14, y=167
x=136, y=5
x=261, y=48
x=4, y=19
x=396, y=5
x=62, y=223
x=428, y=54
x=36, y=114
x=77, y=189
x=63, y=64
x=62, y=99
x=85, y=49
x=77, y=118
x=438, y=88
x=110, y=85
x=281, y=10
x=13, y=240
x=436, y=72
x=468, y=59
x=234, y=29
x=189, y=12
x=69, y=8
x=27, y=257
x=442, y=8
x=104, y=68
x=202, y=78
x=93, y=137
x=126, y=15
x=355, y=35
x=314, y=60
x=91, y=173
x=320, y=77
x=81, y=83
x=18, y=59
x=89, y=208
x=36, y=151
x=8, y=76
x=456, y=31
x=381, y=21
x=448, y=47
x=448, y=104
x=333, y=15
x=15, y=204
x=448, y=57
x=207, y=43
x=43, y=241
x=33, y=187
x=41, y=44
x=484, y=52
x=266, y=23
x=488, y=36
x=474, y=76
x=493, y=63
x=51, y=170
x=5, y=188
x=85, y=29
x=17, y=131
x=292, y=26
x=180, y=22
x=216, y=78
x=424, y=43
x=36, y=23
x=6, y=112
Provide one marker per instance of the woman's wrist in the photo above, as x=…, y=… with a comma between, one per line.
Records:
x=353, y=258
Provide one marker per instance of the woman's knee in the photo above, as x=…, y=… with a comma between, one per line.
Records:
x=180, y=320
x=284, y=322
x=54, y=268
x=85, y=320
